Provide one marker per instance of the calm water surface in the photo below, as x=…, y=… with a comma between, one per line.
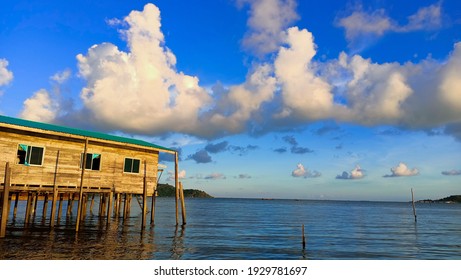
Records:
x=248, y=229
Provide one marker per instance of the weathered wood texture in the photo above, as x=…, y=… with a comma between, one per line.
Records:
x=70, y=148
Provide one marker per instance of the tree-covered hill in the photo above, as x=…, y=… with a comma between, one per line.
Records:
x=167, y=190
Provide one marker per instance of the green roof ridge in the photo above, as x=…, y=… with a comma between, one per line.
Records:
x=80, y=132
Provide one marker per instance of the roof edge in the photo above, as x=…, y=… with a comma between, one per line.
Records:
x=81, y=132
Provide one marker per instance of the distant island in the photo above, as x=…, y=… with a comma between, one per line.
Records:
x=449, y=199
x=167, y=190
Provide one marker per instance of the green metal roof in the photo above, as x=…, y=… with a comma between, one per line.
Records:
x=79, y=132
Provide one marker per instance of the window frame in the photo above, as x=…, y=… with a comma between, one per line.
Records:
x=28, y=154
x=132, y=165
x=92, y=161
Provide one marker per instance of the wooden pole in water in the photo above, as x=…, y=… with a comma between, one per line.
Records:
x=125, y=206
x=69, y=203
x=16, y=201
x=55, y=192
x=413, y=204
x=60, y=206
x=154, y=197
x=304, y=238
x=109, y=207
x=130, y=197
x=144, y=197
x=79, y=208
x=34, y=210
x=45, y=206
x=6, y=194
x=116, y=206
x=152, y=208
x=92, y=203
x=28, y=206
x=183, y=204
x=176, y=186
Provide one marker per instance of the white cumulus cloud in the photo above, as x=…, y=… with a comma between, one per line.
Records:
x=6, y=76
x=362, y=26
x=267, y=22
x=140, y=91
x=39, y=107
x=356, y=173
x=402, y=170
x=305, y=95
x=301, y=172
x=143, y=84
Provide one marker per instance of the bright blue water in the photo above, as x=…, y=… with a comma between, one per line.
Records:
x=249, y=229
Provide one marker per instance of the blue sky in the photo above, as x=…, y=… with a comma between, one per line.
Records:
x=277, y=98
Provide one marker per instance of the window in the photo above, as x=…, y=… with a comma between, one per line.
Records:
x=30, y=155
x=131, y=165
x=93, y=161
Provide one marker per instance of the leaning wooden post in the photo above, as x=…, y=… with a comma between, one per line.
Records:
x=183, y=204
x=413, y=204
x=55, y=193
x=79, y=208
x=176, y=185
x=6, y=194
x=144, y=197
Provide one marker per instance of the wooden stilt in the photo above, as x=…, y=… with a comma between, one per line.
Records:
x=45, y=206
x=34, y=210
x=16, y=201
x=144, y=197
x=79, y=208
x=70, y=201
x=100, y=204
x=60, y=207
x=55, y=193
x=116, y=206
x=152, y=208
x=28, y=208
x=109, y=207
x=120, y=197
x=125, y=206
x=104, y=204
x=84, y=202
x=9, y=202
x=6, y=194
x=130, y=197
x=34, y=205
x=183, y=204
x=92, y=203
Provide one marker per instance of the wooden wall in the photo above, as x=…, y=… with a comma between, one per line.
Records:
x=68, y=172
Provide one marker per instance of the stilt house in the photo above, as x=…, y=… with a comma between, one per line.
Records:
x=42, y=156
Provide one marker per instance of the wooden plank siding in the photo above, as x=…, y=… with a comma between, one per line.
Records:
x=70, y=147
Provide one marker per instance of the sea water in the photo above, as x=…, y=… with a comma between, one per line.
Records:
x=227, y=229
